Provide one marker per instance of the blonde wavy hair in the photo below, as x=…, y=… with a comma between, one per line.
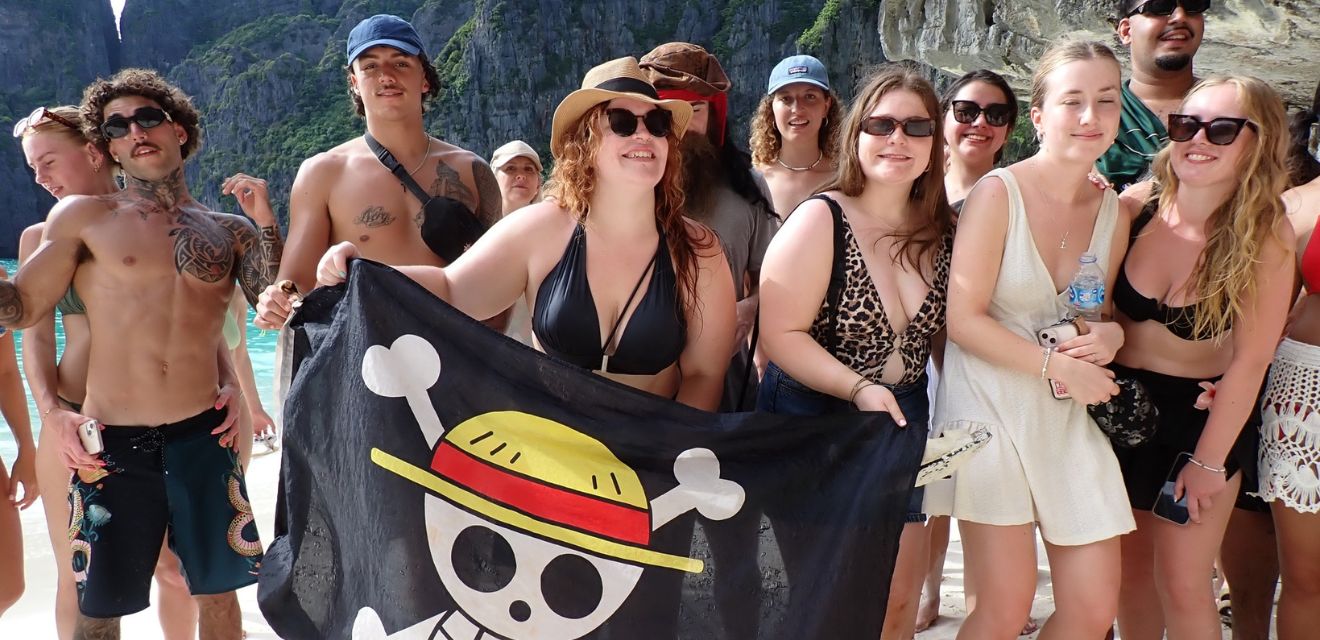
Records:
x=766, y=141
x=573, y=180
x=930, y=205
x=1224, y=275
x=52, y=126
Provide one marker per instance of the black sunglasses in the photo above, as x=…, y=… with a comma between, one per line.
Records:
x=118, y=126
x=1220, y=131
x=915, y=127
x=624, y=122
x=36, y=117
x=996, y=115
x=1166, y=7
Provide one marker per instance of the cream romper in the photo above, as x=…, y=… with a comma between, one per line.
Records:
x=1047, y=462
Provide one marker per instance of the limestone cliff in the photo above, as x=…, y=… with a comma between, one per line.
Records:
x=1277, y=40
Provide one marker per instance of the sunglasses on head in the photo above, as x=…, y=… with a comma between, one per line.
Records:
x=1166, y=7
x=1220, y=131
x=996, y=115
x=117, y=126
x=36, y=117
x=882, y=126
x=624, y=122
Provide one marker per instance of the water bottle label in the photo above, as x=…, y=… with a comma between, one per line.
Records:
x=1086, y=297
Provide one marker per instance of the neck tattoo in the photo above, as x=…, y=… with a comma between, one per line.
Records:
x=806, y=168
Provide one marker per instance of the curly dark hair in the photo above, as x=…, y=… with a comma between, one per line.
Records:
x=428, y=70
x=147, y=84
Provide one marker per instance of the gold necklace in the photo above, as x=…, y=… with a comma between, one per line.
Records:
x=806, y=168
x=1063, y=242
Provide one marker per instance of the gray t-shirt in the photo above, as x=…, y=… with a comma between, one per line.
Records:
x=744, y=230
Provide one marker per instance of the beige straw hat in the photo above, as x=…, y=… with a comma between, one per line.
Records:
x=620, y=78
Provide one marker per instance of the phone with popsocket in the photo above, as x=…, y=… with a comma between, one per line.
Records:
x=90, y=434
x=1056, y=334
x=1166, y=507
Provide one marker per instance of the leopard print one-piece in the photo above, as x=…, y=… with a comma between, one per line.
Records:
x=865, y=338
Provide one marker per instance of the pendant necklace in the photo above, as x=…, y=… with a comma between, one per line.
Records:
x=1063, y=242
x=425, y=155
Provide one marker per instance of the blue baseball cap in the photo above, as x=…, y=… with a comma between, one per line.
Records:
x=798, y=69
x=384, y=29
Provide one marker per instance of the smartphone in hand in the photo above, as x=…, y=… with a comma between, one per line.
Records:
x=90, y=434
x=1166, y=507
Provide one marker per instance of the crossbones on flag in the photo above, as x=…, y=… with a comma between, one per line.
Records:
x=442, y=481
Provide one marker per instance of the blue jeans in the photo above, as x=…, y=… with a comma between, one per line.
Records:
x=780, y=393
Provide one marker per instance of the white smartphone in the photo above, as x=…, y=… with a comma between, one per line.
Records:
x=90, y=434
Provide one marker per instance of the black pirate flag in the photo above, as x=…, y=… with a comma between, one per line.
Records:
x=442, y=481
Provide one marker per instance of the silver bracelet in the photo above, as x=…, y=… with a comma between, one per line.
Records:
x=1046, y=363
x=1219, y=470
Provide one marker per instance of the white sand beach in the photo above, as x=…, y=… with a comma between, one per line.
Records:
x=32, y=617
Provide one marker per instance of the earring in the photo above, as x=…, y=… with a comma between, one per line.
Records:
x=1040, y=136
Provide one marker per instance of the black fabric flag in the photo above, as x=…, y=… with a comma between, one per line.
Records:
x=442, y=481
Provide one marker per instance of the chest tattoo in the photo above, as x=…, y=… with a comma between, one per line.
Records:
x=373, y=217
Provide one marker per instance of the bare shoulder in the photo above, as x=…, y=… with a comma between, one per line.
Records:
x=327, y=166
x=540, y=219
x=988, y=198
x=78, y=211
x=1134, y=197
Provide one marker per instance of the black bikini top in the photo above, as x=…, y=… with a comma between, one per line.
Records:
x=567, y=326
x=1180, y=321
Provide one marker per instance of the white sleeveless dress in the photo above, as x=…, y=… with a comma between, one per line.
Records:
x=1047, y=462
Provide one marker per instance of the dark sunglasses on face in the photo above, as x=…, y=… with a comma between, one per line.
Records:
x=1166, y=7
x=36, y=117
x=118, y=126
x=624, y=122
x=1220, y=131
x=915, y=127
x=996, y=115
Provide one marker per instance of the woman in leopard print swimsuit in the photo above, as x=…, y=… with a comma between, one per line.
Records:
x=853, y=287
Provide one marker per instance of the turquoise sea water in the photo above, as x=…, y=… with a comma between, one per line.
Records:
x=260, y=344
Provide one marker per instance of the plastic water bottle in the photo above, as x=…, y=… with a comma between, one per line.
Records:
x=1086, y=292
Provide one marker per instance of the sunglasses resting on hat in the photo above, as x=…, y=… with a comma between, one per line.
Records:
x=1220, y=131
x=915, y=127
x=996, y=115
x=1166, y=7
x=118, y=126
x=624, y=122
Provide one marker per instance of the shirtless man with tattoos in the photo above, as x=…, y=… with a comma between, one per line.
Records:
x=156, y=270
x=346, y=194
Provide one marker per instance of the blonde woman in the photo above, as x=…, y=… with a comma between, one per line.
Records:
x=794, y=131
x=1020, y=235
x=1202, y=295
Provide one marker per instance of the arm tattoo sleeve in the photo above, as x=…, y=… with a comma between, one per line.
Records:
x=11, y=304
x=259, y=257
x=491, y=207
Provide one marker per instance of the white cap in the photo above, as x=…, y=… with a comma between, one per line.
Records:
x=512, y=150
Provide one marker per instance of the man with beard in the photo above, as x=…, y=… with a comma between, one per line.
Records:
x=1162, y=36
x=726, y=194
x=723, y=191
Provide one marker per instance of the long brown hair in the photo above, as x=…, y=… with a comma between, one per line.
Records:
x=1225, y=273
x=930, y=206
x=573, y=180
x=766, y=141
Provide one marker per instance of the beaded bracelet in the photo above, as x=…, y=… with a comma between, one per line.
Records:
x=1046, y=363
x=1219, y=470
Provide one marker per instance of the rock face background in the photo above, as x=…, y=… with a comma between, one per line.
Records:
x=268, y=74
x=1278, y=40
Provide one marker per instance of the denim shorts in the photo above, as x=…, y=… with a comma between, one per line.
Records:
x=780, y=393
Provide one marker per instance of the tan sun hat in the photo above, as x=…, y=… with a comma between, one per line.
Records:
x=512, y=150
x=621, y=78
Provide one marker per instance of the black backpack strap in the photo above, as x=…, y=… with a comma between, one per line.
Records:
x=838, y=275
x=386, y=158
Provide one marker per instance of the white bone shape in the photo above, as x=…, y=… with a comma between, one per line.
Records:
x=407, y=369
x=699, y=487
